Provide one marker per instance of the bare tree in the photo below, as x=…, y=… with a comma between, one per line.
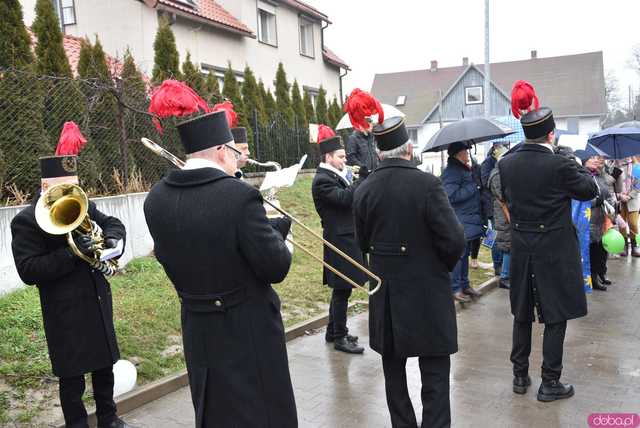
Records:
x=611, y=88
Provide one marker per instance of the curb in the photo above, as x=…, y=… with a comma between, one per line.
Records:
x=161, y=387
x=483, y=289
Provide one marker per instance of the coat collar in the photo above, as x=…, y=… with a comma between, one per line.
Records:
x=455, y=162
x=395, y=163
x=532, y=147
x=331, y=173
x=194, y=177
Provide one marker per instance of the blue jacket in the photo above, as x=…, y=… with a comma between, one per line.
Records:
x=464, y=196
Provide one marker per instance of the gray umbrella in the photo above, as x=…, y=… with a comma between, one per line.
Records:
x=473, y=130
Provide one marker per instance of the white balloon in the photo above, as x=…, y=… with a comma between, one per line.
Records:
x=124, y=377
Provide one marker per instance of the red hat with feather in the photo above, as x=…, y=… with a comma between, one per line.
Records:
x=328, y=141
x=360, y=105
x=64, y=163
x=176, y=99
x=536, y=121
x=239, y=133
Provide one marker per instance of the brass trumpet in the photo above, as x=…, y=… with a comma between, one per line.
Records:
x=157, y=149
x=63, y=209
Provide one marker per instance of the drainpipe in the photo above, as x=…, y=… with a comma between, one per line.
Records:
x=346, y=70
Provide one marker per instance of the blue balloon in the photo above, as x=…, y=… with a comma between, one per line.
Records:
x=636, y=171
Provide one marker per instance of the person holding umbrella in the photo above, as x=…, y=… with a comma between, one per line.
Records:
x=361, y=149
x=464, y=195
x=545, y=268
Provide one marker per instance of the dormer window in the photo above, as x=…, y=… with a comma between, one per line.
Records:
x=401, y=100
x=189, y=3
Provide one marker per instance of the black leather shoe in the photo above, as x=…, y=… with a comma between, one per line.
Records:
x=520, y=384
x=118, y=423
x=345, y=345
x=471, y=292
x=554, y=390
x=504, y=283
x=597, y=285
x=604, y=279
x=353, y=339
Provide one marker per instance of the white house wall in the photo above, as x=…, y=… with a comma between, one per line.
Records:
x=129, y=23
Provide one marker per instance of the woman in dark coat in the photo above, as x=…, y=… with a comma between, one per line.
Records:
x=502, y=226
x=597, y=253
x=464, y=195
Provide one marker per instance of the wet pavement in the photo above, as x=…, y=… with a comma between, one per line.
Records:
x=601, y=359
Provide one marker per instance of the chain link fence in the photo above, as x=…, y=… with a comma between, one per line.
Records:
x=113, y=117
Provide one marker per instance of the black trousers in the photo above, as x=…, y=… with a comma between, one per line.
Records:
x=436, y=409
x=475, y=247
x=597, y=258
x=337, y=326
x=71, y=391
x=552, y=348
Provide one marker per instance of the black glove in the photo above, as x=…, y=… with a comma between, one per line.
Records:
x=110, y=242
x=282, y=225
x=565, y=151
x=85, y=244
x=363, y=172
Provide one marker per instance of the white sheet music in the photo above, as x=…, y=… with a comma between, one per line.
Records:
x=283, y=178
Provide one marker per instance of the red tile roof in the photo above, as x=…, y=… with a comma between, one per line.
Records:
x=334, y=59
x=72, y=46
x=212, y=11
x=310, y=10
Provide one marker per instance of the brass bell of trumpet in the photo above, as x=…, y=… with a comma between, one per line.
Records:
x=63, y=209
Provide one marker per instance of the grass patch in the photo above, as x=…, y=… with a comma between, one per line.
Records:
x=147, y=320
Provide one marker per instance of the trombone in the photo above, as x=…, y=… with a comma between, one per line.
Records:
x=160, y=151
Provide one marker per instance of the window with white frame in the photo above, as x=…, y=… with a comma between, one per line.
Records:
x=306, y=38
x=66, y=11
x=473, y=95
x=401, y=100
x=267, y=24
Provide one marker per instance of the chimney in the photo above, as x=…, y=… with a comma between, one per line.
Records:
x=465, y=61
x=534, y=54
x=434, y=66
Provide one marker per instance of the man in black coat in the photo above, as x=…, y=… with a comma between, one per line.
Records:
x=333, y=198
x=545, y=268
x=405, y=222
x=361, y=150
x=77, y=310
x=214, y=241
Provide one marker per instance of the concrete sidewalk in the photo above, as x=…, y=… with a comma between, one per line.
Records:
x=602, y=361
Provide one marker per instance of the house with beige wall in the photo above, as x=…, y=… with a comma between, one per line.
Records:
x=258, y=33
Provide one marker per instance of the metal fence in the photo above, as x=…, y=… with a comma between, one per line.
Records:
x=113, y=117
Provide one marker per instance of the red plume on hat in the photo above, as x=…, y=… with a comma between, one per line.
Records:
x=324, y=132
x=227, y=107
x=71, y=140
x=359, y=106
x=175, y=98
x=522, y=96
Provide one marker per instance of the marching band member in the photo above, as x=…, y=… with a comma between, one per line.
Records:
x=75, y=298
x=538, y=186
x=333, y=198
x=213, y=239
x=404, y=221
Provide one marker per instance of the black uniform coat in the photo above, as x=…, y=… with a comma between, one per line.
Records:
x=406, y=224
x=538, y=186
x=333, y=199
x=212, y=237
x=76, y=300
x=361, y=150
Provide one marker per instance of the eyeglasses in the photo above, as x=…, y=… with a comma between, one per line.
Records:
x=236, y=153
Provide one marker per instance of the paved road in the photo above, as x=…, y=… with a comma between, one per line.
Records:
x=602, y=360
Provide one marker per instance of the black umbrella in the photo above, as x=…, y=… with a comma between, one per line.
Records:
x=473, y=130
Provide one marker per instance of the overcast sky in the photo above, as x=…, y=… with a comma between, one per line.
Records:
x=378, y=36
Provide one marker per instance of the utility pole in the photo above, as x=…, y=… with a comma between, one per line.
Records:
x=487, y=67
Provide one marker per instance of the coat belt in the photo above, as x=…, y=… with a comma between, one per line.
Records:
x=218, y=302
x=536, y=226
